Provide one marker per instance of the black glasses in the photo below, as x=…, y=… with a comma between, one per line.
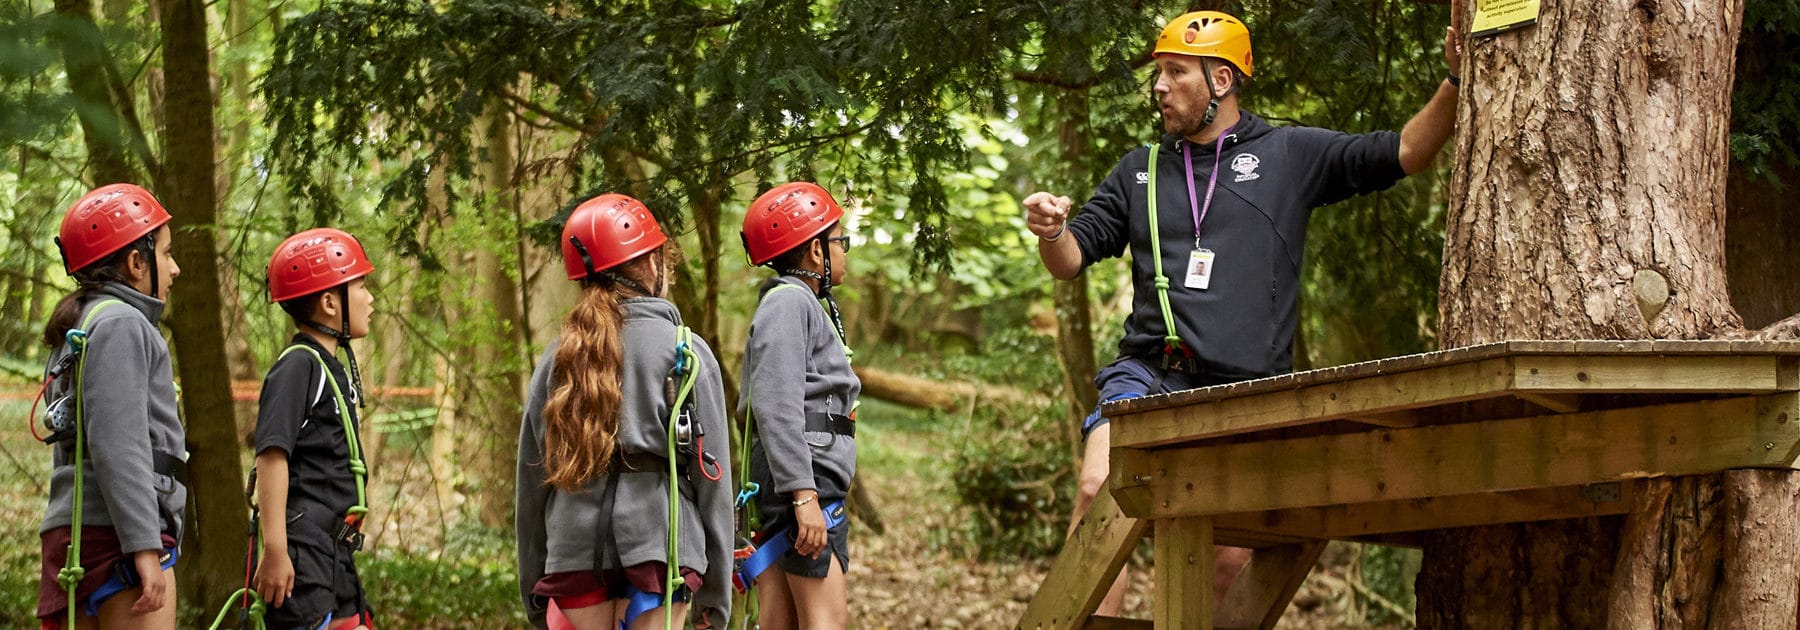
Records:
x=843, y=241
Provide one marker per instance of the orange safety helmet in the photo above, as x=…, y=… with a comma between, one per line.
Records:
x=786, y=217
x=607, y=231
x=1207, y=34
x=106, y=220
x=313, y=261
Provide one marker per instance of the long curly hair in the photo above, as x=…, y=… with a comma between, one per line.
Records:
x=581, y=418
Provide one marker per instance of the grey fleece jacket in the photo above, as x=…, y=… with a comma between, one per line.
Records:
x=794, y=365
x=561, y=532
x=128, y=409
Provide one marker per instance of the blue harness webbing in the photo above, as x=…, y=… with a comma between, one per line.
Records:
x=779, y=543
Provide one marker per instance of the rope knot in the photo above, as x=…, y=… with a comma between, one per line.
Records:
x=70, y=576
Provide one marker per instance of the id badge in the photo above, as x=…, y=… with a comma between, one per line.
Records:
x=1200, y=269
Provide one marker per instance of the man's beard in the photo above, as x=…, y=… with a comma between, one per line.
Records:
x=1184, y=126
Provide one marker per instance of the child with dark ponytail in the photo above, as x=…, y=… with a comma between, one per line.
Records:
x=112, y=529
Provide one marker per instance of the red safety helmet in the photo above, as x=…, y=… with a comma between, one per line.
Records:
x=105, y=221
x=313, y=261
x=786, y=217
x=607, y=231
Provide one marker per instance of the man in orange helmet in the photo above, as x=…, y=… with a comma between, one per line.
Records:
x=1220, y=306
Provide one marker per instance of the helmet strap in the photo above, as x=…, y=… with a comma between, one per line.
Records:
x=342, y=335
x=1212, y=102
x=621, y=280
x=824, y=280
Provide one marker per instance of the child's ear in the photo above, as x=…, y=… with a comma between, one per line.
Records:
x=328, y=304
x=136, y=266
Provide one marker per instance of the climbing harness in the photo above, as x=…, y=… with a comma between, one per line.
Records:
x=779, y=543
x=251, y=607
x=685, y=439
x=72, y=572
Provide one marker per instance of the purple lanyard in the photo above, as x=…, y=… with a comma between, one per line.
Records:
x=1199, y=210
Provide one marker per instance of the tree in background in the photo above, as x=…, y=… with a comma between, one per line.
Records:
x=1590, y=203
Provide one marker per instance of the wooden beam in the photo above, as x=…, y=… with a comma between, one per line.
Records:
x=1539, y=452
x=1384, y=517
x=1549, y=374
x=1184, y=574
x=1261, y=594
x=1144, y=424
x=1554, y=403
x=1085, y=567
x=1392, y=419
x=1357, y=398
x=1100, y=622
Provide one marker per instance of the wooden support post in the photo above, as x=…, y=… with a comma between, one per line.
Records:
x=1262, y=592
x=1184, y=574
x=1085, y=567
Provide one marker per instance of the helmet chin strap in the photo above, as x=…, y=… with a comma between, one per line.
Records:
x=824, y=279
x=1212, y=102
x=343, y=338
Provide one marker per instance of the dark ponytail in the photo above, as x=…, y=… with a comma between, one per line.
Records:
x=88, y=280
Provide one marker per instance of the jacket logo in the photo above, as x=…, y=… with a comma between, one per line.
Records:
x=1245, y=165
x=1143, y=177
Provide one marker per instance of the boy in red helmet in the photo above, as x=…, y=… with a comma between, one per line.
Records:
x=624, y=492
x=311, y=481
x=801, y=395
x=112, y=526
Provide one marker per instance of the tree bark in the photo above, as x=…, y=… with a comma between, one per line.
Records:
x=1074, y=312
x=1588, y=203
x=214, y=549
x=488, y=442
x=946, y=396
x=85, y=59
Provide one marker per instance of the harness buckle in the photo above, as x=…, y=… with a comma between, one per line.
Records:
x=349, y=534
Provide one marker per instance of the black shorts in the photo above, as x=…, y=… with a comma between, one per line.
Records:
x=325, y=581
x=837, y=544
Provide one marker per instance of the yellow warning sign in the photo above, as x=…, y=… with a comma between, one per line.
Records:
x=1497, y=16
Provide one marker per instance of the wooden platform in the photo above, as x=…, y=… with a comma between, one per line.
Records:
x=1499, y=433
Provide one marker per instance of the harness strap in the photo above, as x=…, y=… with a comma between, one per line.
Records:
x=831, y=423
x=72, y=572
x=358, y=470
x=777, y=544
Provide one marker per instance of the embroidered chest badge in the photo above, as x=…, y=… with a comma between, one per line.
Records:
x=1245, y=166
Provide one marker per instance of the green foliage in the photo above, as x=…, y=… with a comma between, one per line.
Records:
x=1390, y=572
x=1765, y=110
x=471, y=582
x=1012, y=474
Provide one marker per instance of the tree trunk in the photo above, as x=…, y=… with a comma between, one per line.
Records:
x=85, y=59
x=1074, y=312
x=1762, y=245
x=236, y=79
x=487, y=444
x=1588, y=203
x=214, y=549
x=945, y=396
